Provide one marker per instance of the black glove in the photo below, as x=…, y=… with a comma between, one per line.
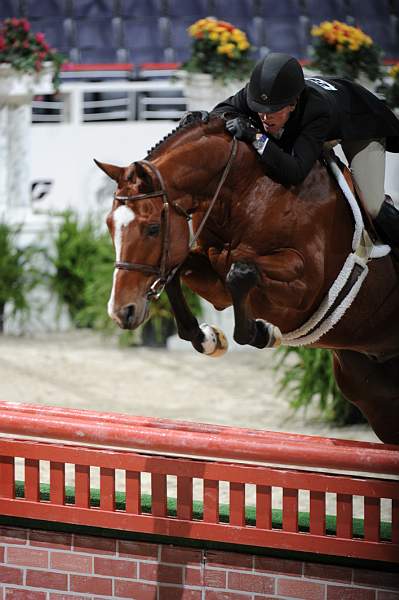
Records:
x=194, y=115
x=242, y=128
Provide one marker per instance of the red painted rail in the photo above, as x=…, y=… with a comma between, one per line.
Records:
x=196, y=439
x=210, y=448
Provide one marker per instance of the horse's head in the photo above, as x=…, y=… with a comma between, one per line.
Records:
x=141, y=223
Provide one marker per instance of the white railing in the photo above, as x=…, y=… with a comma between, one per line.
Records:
x=136, y=98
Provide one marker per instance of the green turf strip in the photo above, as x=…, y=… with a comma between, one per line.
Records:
x=250, y=512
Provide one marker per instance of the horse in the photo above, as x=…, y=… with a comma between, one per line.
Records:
x=271, y=251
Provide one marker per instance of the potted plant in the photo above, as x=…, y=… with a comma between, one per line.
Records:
x=28, y=65
x=218, y=65
x=18, y=273
x=345, y=51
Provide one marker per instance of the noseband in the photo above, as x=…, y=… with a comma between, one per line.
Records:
x=163, y=275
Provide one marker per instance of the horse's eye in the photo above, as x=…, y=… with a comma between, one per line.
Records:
x=153, y=229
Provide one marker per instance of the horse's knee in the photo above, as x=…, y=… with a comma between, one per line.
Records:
x=241, y=278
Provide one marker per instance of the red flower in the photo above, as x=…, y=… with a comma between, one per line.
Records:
x=39, y=37
x=14, y=22
x=38, y=65
x=42, y=55
x=25, y=25
x=2, y=42
x=25, y=44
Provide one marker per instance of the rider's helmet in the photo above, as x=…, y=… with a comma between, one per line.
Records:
x=276, y=81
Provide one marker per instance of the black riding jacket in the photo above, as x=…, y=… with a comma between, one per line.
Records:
x=327, y=109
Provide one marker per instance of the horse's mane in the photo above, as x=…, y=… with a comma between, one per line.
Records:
x=178, y=130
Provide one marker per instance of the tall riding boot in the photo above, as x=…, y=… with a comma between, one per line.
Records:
x=387, y=223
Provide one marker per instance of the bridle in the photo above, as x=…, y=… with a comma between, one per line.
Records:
x=162, y=273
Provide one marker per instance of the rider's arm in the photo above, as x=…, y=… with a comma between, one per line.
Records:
x=292, y=168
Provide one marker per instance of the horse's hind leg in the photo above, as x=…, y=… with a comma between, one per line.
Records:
x=241, y=279
x=374, y=387
x=205, y=339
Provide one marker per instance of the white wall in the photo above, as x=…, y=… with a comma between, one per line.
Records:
x=64, y=154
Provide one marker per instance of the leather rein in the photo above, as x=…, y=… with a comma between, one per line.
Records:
x=161, y=271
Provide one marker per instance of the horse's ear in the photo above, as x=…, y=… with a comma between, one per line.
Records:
x=142, y=173
x=111, y=170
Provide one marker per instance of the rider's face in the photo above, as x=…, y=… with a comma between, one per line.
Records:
x=273, y=122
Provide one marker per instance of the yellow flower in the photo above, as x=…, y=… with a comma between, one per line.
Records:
x=214, y=36
x=226, y=49
x=225, y=37
x=394, y=71
x=244, y=45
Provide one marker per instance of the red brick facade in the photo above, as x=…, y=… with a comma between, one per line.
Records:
x=40, y=565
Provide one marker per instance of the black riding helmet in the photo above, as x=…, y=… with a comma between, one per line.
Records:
x=276, y=81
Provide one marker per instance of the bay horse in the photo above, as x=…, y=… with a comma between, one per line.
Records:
x=271, y=251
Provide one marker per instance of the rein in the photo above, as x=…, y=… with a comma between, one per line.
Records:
x=164, y=276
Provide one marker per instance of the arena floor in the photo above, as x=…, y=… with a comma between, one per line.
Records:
x=85, y=370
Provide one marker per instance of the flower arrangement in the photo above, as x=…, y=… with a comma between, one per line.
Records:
x=219, y=49
x=25, y=51
x=343, y=50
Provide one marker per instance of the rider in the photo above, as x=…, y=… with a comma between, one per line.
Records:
x=288, y=118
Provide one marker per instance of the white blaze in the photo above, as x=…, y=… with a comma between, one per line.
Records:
x=121, y=217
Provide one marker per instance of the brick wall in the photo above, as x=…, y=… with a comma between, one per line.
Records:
x=42, y=565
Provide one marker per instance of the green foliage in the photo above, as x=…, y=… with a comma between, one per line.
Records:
x=18, y=273
x=307, y=377
x=83, y=260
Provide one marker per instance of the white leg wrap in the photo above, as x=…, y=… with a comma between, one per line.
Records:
x=210, y=342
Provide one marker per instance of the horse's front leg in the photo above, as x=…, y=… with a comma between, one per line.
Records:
x=241, y=279
x=206, y=339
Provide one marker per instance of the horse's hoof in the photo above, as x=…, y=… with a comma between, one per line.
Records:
x=214, y=343
x=270, y=333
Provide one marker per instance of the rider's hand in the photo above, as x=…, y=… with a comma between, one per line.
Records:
x=242, y=129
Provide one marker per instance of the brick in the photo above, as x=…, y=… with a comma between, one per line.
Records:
x=14, y=594
x=27, y=557
x=2, y=554
x=215, y=578
x=13, y=535
x=228, y=559
x=131, y=549
x=341, y=592
x=384, y=579
x=160, y=573
x=193, y=576
x=218, y=595
x=115, y=567
x=135, y=589
x=66, y=597
x=46, y=579
x=91, y=585
x=10, y=575
x=71, y=562
x=180, y=556
x=328, y=572
x=178, y=593
x=250, y=582
x=278, y=565
x=59, y=541
x=382, y=595
x=296, y=588
x=94, y=545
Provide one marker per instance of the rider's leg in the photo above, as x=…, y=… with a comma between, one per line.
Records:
x=366, y=159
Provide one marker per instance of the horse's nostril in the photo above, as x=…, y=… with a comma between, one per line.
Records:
x=128, y=314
